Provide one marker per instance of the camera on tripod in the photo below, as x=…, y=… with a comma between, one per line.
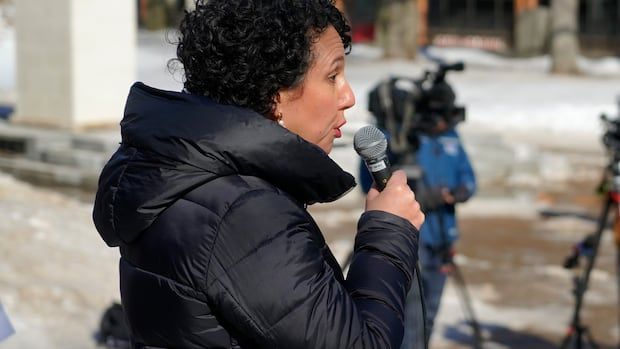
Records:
x=609, y=185
x=611, y=136
x=611, y=140
x=406, y=107
x=588, y=248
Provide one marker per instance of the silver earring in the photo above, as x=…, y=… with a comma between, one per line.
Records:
x=279, y=118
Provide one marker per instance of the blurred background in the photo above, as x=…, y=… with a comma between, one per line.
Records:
x=538, y=75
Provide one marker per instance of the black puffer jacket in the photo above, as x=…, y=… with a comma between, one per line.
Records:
x=207, y=204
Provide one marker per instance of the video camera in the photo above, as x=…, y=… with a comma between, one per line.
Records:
x=611, y=137
x=406, y=107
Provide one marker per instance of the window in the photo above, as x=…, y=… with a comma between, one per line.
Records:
x=471, y=14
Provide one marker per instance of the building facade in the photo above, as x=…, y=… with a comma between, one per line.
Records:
x=494, y=24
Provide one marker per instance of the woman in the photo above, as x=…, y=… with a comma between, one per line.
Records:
x=206, y=196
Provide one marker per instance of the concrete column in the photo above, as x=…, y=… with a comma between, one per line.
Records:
x=531, y=32
x=190, y=4
x=396, y=28
x=75, y=61
x=564, y=41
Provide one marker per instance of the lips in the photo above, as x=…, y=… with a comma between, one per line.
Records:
x=338, y=132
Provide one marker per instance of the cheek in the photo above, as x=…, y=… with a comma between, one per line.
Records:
x=316, y=114
x=324, y=117
x=326, y=109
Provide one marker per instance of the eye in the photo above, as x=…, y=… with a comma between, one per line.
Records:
x=333, y=77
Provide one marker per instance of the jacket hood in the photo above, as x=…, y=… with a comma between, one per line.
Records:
x=173, y=142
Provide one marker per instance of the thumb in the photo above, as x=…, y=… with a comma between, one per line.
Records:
x=398, y=178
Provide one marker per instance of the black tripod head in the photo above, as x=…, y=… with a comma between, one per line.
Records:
x=611, y=140
x=611, y=136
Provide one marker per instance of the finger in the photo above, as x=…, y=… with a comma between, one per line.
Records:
x=421, y=220
x=416, y=205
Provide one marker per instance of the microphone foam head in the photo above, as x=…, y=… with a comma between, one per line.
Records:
x=369, y=142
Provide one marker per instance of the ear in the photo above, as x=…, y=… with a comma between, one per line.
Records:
x=284, y=98
x=284, y=95
x=281, y=100
x=277, y=102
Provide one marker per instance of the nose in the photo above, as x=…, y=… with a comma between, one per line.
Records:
x=347, y=97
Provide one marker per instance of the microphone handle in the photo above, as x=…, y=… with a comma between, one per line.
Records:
x=380, y=171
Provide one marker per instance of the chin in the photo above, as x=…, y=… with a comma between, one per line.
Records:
x=327, y=144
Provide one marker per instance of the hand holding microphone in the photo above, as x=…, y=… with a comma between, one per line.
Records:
x=391, y=192
x=397, y=198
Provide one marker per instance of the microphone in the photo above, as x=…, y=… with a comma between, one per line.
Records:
x=370, y=143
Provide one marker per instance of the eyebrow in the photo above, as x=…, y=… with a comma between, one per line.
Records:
x=338, y=61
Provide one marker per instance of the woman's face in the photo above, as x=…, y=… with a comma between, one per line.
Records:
x=315, y=109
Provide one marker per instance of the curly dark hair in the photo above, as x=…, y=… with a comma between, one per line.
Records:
x=242, y=52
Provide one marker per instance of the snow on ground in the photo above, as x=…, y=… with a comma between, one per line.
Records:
x=502, y=94
x=605, y=67
x=56, y=274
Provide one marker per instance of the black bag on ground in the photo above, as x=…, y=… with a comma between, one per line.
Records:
x=113, y=331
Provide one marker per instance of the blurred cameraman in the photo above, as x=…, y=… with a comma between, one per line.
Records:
x=419, y=123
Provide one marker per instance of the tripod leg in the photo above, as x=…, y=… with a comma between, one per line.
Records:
x=617, y=243
x=581, y=283
x=590, y=339
x=618, y=286
x=468, y=309
x=567, y=338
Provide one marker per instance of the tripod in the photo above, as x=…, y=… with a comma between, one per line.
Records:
x=468, y=309
x=578, y=335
